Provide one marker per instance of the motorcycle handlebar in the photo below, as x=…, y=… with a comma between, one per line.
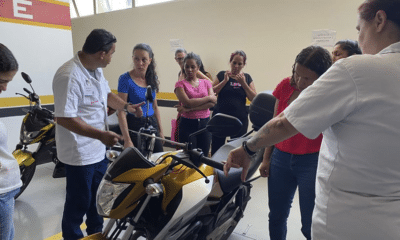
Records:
x=198, y=156
x=212, y=163
x=26, y=90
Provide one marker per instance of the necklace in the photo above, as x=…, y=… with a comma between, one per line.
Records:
x=194, y=83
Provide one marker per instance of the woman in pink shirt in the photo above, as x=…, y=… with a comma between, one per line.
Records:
x=196, y=96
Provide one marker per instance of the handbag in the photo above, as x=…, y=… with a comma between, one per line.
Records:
x=175, y=128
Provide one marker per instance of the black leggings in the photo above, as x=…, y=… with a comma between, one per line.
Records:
x=218, y=142
x=135, y=124
x=188, y=126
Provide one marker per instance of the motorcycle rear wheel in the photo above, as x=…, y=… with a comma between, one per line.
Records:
x=26, y=176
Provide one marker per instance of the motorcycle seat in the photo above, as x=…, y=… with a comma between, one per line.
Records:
x=233, y=180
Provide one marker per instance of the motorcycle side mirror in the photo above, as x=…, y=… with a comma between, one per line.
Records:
x=223, y=125
x=149, y=95
x=26, y=77
x=261, y=109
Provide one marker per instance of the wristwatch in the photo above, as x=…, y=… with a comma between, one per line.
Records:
x=247, y=150
x=126, y=108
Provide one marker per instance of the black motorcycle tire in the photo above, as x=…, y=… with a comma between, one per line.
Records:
x=26, y=176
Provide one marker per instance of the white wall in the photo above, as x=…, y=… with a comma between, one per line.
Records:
x=40, y=51
x=271, y=32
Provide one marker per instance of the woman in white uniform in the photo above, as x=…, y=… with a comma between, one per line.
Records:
x=356, y=104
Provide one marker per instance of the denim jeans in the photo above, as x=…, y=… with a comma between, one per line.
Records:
x=6, y=214
x=82, y=184
x=287, y=172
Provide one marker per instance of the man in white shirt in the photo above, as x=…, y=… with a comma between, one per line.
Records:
x=81, y=97
x=356, y=104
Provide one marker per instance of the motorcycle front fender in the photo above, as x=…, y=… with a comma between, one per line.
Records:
x=97, y=236
x=23, y=157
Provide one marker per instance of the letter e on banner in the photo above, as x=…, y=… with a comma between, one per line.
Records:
x=18, y=9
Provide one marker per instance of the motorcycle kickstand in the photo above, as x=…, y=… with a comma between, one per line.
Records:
x=131, y=227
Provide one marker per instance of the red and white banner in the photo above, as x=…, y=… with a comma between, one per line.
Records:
x=45, y=13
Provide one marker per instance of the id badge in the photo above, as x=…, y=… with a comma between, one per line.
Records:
x=89, y=90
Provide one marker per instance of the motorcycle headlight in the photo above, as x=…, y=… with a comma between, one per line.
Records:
x=107, y=193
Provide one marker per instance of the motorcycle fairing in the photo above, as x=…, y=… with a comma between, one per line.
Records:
x=23, y=157
x=136, y=177
x=179, y=177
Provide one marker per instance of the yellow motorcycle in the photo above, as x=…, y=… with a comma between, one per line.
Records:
x=181, y=194
x=38, y=127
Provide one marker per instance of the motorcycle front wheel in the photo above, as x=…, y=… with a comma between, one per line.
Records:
x=27, y=173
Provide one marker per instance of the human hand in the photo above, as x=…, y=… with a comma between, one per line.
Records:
x=264, y=168
x=136, y=109
x=238, y=158
x=213, y=98
x=109, y=138
x=241, y=78
x=227, y=75
x=182, y=109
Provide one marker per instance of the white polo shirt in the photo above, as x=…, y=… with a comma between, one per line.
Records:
x=356, y=104
x=78, y=94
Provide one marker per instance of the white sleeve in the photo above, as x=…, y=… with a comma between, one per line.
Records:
x=108, y=90
x=329, y=100
x=67, y=95
x=106, y=85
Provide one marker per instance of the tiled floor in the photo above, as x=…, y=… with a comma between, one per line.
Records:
x=38, y=211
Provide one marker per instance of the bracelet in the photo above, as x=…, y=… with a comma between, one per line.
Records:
x=247, y=150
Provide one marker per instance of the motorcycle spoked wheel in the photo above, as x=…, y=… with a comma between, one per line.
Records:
x=26, y=176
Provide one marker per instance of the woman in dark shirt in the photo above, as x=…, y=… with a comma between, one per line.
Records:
x=233, y=87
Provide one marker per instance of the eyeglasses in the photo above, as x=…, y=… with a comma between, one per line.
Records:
x=111, y=41
x=179, y=59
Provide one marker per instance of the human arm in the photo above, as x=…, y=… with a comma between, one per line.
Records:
x=117, y=103
x=194, y=102
x=201, y=75
x=123, y=124
x=265, y=165
x=158, y=117
x=182, y=109
x=77, y=125
x=274, y=131
x=218, y=85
